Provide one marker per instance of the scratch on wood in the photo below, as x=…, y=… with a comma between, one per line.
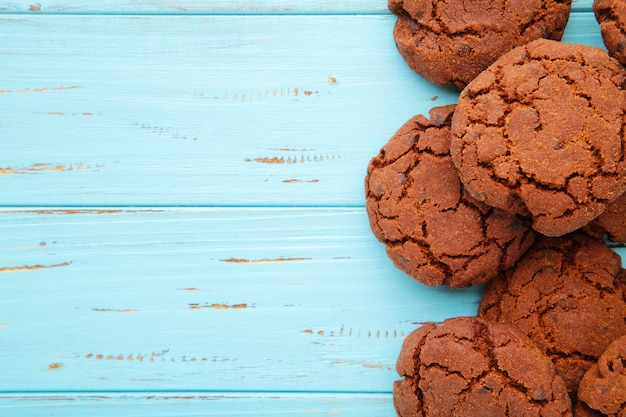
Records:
x=220, y=306
x=81, y=211
x=293, y=160
x=110, y=310
x=262, y=261
x=32, y=267
x=60, y=113
x=294, y=180
x=41, y=167
x=39, y=90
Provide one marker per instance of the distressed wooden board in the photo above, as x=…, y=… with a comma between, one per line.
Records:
x=196, y=403
x=212, y=7
x=197, y=299
x=204, y=110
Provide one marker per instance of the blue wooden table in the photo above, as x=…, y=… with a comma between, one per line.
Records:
x=182, y=222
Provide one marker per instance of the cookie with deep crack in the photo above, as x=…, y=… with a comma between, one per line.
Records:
x=468, y=367
x=542, y=132
x=452, y=41
x=603, y=387
x=568, y=295
x=611, y=223
x=611, y=15
x=432, y=228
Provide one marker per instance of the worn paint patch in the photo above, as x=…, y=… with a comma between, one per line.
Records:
x=32, y=267
x=220, y=306
x=377, y=334
x=39, y=90
x=60, y=113
x=262, y=261
x=281, y=160
x=82, y=211
x=110, y=310
x=46, y=167
x=263, y=95
x=294, y=180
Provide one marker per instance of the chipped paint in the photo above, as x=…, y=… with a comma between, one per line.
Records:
x=32, y=267
x=220, y=306
x=358, y=333
x=281, y=160
x=46, y=167
x=332, y=80
x=83, y=211
x=55, y=365
x=294, y=180
x=39, y=90
x=262, y=261
x=110, y=310
x=259, y=95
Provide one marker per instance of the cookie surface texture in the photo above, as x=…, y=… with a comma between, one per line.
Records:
x=452, y=41
x=603, y=388
x=468, y=367
x=542, y=132
x=568, y=295
x=611, y=15
x=612, y=222
x=432, y=228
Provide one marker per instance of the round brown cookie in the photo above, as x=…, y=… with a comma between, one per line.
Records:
x=612, y=222
x=542, y=132
x=468, y=367
x=603, y=387
x=433, y=230
x=452, y=41
x=611, y=14
x=568, y=294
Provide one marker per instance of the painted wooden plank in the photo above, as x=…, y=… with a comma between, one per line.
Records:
x=184, y=404
x=196, y=299
x=203, y=110
x=213, y=7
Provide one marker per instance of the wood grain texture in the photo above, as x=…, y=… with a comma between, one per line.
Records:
x=195, y=404
x=303, y=103
x=248, y=299
x=186, y=7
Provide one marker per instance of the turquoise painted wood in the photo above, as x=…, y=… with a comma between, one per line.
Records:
x=182, y=222
x=136, y=110
x=186, y=7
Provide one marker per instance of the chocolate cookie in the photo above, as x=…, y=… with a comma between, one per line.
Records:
x=611, y=14
x=452, y=41
x=469, y=367
x=568, y=294
x=603, y=387
x=612, y=222
x=542, y=132
x=432, y=228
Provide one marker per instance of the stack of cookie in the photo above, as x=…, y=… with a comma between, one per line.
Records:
x=518, y=186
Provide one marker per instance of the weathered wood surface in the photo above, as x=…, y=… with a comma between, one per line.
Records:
x=203, y=110
x=182, y=229
x=186, y=7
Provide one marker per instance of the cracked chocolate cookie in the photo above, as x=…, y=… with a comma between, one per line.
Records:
x=603, y=387
x=469, y=367
x=542, y=132
x=611, y=15
x=611, y=223
x=452, y=41
x=432, y=228
x=568, y=294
